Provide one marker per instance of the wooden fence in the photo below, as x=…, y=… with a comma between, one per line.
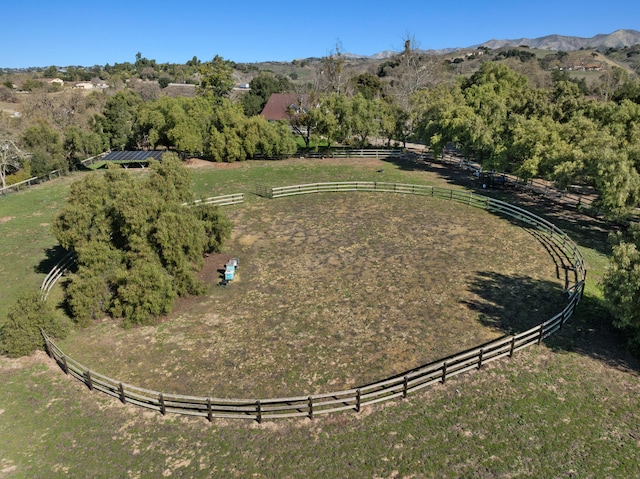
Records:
x=224, y=200
x=535, y=186
x=17, y=186
x=353, y=153
x=398, y=386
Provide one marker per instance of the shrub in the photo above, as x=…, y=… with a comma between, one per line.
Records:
x=20, y=335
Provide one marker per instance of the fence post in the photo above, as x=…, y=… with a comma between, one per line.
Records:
x=513, y=345
x=541, y=334
x=163, y=409
x=122, y=396
x=259, y=411
x=209, y=410
x=405, y=387
x=48, y=347
x=310, y=407
x=444, y=372
x=480, y=358
x=89, y=380
x=357, y=400
x=65, y=366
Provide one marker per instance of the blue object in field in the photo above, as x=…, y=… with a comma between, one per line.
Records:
x=229, y=274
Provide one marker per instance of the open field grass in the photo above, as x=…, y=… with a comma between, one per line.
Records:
x=336, y=290
x=25, y=239
x=569, y=408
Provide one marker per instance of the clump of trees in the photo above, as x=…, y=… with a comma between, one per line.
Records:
x=138, y=247
x=497, y=117
x=621, y=283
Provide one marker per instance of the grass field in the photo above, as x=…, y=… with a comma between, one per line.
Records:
x=569, y=408
x=336, y=290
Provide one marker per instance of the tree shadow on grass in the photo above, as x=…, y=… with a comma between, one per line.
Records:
x=513, y=304
x=590, y=332
x=52, y=258
x=585, y=230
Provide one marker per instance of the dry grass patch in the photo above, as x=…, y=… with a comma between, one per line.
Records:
x=334, y=291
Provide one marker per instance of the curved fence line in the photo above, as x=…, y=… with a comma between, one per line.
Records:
x=397, y=386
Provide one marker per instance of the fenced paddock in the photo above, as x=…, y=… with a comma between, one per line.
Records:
x=397, y=386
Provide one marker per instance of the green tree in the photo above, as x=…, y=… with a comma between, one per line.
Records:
x=216, y=77
x=621, y=283
x=46, y=143
x=138, y=247
x=368, y=85
x=164, y=81
x=263, y=85
x=21, y=334
x=117, y=119
x=332, y=118
x=80, y=144
x=224, y=140
x=365, y=119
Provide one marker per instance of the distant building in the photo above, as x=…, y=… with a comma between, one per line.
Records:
x=280, y=106
x=91, y=85
x=85, y=85
x=54, y=81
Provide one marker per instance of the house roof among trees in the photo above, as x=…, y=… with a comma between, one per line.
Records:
x=279, y=104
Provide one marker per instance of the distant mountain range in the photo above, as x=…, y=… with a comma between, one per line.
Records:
x=617, y=39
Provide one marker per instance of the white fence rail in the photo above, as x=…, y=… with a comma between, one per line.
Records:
x=225, y=200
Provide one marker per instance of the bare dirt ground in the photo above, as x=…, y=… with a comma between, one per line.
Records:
x=333, y=291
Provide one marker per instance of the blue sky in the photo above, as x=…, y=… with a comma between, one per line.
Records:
x=94, y=32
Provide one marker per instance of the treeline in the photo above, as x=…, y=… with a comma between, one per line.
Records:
x=557, y=128
x=556, y=133
x=204, y=126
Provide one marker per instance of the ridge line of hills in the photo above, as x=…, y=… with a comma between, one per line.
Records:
x=617, y=39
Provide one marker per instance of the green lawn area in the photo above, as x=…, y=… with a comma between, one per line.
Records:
x=567, y=408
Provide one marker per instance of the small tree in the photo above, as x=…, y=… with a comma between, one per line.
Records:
x=217, y=77
x=21, y=335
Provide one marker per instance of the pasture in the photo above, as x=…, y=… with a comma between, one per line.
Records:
x=337, y=289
